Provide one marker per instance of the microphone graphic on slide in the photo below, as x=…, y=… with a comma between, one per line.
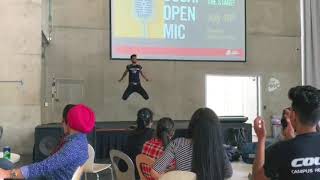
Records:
x=144, y=11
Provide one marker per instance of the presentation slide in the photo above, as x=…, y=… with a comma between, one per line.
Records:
x=198, y=30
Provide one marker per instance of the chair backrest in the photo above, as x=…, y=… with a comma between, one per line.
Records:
x=115, y=157
x=146, y=161
x=175, y=175
x=78, y=173
x=88, y=166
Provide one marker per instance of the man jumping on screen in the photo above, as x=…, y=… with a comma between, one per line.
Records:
x=134, y=85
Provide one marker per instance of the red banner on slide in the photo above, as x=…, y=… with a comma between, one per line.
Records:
x=200, y=52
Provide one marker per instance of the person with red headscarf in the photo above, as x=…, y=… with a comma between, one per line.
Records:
x=61, y=165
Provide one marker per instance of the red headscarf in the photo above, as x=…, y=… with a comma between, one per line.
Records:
x=81, y=118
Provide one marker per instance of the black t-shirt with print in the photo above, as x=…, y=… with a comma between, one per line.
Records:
x=295, y=159
x=134, y=73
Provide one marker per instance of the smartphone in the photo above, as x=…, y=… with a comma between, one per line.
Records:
x=284, y=123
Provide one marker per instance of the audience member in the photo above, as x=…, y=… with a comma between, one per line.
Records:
x=298, y=157
x=72, y=153
x=201, y=152
x=65, y=130
x=155, y=147
x=139, y=136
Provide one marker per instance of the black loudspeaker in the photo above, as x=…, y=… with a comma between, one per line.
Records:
x=236, y=133
x=47, y=137
x=230, y=133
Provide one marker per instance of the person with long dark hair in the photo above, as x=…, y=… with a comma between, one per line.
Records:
x=142, y=133
x=155, y=147
x=201, y=152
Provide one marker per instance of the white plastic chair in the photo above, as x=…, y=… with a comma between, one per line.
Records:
x=91, y=167
x=115, y=156
x=78, y=173
x=175, y=175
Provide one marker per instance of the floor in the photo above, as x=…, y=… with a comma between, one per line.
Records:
x=240, y=169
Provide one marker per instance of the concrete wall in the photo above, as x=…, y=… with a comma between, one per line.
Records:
x=20, y=57
x=80, y=51
x=45, y=13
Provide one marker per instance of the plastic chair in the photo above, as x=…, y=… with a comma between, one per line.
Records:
x=115, y=156
x=145, y=160
x=78, y=173
x=91, y=167
x=175, y=175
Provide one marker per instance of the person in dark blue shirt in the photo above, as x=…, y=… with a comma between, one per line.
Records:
x=134, y=85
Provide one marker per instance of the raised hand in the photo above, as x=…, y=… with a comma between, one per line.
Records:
x=260, y=129
x=288, y=132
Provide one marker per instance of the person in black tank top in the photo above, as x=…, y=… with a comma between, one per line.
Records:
x=134, y=85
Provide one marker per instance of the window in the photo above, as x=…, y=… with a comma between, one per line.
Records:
x=233, y=95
